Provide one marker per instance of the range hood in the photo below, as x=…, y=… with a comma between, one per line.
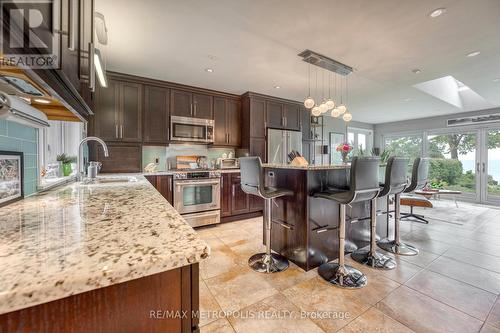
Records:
x=14, y=109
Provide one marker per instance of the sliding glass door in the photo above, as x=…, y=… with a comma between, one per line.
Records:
x=454, y=157
x=490, y=166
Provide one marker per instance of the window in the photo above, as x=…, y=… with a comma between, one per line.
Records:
x=62, y=137
x=361, y=140
x=405, y=146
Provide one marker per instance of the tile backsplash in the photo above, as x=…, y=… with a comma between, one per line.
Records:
x=17, y=137
x=167, y=155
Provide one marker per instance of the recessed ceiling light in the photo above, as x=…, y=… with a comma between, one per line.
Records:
x=473, y=54
x=41, y=100
x=209, y=70
x=437, y=12
x=277, y=87
x=416, y=71
x=211, y=57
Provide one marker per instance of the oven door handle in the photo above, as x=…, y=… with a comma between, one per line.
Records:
x=196, y=183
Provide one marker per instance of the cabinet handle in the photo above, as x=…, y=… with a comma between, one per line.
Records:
x=91, y=67
x=116, y=131
x=232, y=190
x=285, y=226
x=72, y=27
x=478, y=168
x=227, y=138
x=484, y=167
x=191, y=110
x=121, y=131
x=195, y=104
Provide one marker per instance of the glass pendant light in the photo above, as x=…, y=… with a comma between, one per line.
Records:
x=330, y=104
x=342, y=109
x=335, y=113
x=316, y=111
x=347, y=117
x=309, y=101
x=323, y=107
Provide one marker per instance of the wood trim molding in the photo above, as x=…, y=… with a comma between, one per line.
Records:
x=167, y=84
x=250, y=94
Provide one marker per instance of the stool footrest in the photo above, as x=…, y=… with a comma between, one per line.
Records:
x=342, y=276
x=373, y=259
x=268, y=263
x=401, y=248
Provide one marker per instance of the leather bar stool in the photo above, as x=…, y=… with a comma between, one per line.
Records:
x=368, y=255
x=419, y=179
x=252, y=182
x=363, y=186
x=394, y=184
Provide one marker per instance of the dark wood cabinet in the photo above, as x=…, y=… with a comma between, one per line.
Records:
x=257, y=118
x=292, y=116
x=235, y=203
x=188, y=104
x=131, y=112
x=70, y=39
x=240, y=201
x=203, y=106
x=225, y=195
x=227, y=117
x=274, y=114
x=118, y=114
x=164, y=185
x=122, y=158
x=181, y=103
x=156, y=114
x=258, y=148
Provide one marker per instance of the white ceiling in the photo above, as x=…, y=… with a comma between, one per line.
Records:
x=256, y=42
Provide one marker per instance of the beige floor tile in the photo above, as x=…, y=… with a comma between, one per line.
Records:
x=290, y=277
x=221, y=260
x=462, y=296
x=248, y=247
x=423, y=259
x=209, y=308
x=474, y=258
x=317, y=296
x=472, y=275
x=218, y=326
x=425, y=243
x=494, y=317
x=489, y=329
x=275, y=314
x=375, y=321
x=404, y=270
x=423, y=314
x=239, y=288
x=232, y=236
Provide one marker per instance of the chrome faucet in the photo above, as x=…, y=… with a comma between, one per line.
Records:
x=81, y=173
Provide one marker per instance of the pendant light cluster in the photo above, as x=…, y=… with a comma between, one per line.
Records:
x=319, y=103
x=328, y=102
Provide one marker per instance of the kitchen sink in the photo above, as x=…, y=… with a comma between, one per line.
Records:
x=108, y=180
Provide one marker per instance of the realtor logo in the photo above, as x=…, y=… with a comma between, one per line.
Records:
x=29, y=36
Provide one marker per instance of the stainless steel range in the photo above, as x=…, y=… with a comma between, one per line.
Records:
x=197, y=196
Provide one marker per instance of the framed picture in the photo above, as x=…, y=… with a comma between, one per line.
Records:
x=11, y=177
x=335, y=140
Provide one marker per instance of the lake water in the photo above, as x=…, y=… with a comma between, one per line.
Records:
x=493, y=167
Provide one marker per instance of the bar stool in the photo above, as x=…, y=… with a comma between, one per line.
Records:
x=395, y=183
x=252, y=182
x=369, y=256
x=363, y=186
x=419, y=179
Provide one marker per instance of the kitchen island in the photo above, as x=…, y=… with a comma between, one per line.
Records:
x=108, y=256
x=305, y=229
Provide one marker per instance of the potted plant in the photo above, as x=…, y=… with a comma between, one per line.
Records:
x=344, y=149
x=66, y=161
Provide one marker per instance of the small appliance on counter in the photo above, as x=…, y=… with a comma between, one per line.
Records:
x=227, y=163
x=191, y=162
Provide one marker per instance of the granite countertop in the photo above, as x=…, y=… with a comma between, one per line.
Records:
x=79, y=237
x=171, y=172
x=309, y=167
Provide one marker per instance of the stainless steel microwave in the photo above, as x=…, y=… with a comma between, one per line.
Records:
x=191, y=129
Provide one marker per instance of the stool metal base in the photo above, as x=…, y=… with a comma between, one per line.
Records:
x=401, y=248
x=342, y=276
x=375, y=260
x=265, y=263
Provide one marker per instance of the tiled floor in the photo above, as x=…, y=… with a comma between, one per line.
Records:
x=453, y=285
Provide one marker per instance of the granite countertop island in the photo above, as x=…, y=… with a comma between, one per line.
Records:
x=308, y=167
x=78, y=238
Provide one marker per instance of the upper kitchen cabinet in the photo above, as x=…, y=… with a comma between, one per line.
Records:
x=292, y=116
x=70, y=41
x=118, y=111
x=156, y=114
x=187, y=104
x=283, y=115
x=274, y=114
x=227, y=116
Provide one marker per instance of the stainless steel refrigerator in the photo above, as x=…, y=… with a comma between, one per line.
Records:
x=280, y=143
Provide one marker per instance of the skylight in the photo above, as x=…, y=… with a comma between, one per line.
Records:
x=452, y=91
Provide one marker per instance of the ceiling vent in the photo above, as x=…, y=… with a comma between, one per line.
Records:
x=477, y=120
